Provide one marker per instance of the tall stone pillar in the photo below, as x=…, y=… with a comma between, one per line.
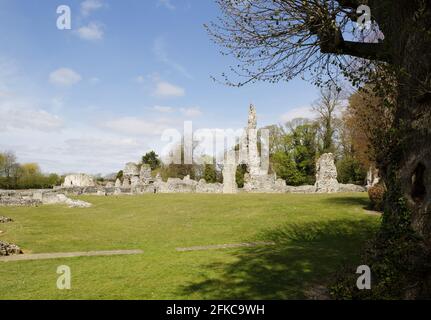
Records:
x=229, y=173
x=326, y=174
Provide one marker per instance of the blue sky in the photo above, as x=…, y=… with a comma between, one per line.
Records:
x=94, y=97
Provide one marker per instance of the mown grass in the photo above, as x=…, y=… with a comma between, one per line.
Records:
x=314, y=235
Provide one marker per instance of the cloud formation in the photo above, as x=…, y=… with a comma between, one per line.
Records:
x=167, y=4
x=136, y=126
x=27, y=118
x=64, y=77
x=88, y=6
x=300, y=112
x=166, y=89
x=191, y=112
x=92, y=31
x=163, y=109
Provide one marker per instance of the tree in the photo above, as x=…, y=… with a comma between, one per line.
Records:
x=8, y=164
x=285, y=168
x=152, y=159
x=241, y=170
x=305, y=150
x=210, y=173
x=280, y=39
x=31, y=169
x=326, y=108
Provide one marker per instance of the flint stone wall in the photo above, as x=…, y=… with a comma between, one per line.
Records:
x=204, y=187
x=326, y=174
x=267, y=183
x=18, y=198
x=78, y=180
x=131, y=169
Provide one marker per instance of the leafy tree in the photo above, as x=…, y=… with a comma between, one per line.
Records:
x=120, y=175
x=241, y=170
x=152, y=159
x=305, y=150
x=350, y=170
x=31, y=169
x=285, y=168
x=210, y=173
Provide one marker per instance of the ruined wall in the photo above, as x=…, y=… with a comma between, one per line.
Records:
x=326, y=174
x=78, y=180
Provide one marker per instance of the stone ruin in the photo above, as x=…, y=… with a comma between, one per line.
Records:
x=5, y=219
x=7, y=249
x=256, y=179
x=78, y=180
x=33, y=198
x=326, y=174
x=137, y=179
x=373, y=177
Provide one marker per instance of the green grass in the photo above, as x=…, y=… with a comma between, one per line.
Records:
x=314, y=235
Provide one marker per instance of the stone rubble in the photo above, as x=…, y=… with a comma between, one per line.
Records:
x=5, y=219
x=7, y=249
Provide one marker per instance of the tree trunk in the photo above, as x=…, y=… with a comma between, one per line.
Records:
x=406, y=168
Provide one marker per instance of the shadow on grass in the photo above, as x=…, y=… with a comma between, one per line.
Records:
x=349, y=201
x=304, y=255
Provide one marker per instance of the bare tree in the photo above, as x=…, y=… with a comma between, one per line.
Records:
x=326, y=109
x=8, y=164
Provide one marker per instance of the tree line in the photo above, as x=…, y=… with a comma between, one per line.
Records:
x=14, y=175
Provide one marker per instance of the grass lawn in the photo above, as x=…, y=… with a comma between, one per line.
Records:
x=314, y=235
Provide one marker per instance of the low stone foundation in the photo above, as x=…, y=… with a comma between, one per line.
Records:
x=18, y=198
x=31, y=198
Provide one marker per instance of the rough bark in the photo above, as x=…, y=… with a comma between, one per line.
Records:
x=405, y=162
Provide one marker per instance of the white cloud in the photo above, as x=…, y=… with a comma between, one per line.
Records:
x=89, y=6
x=27, y=118
x=163, y=109
x=64, y=77
x=136, y=126
x=300, y=112
x=166, y=89
x=93, y=31
x=167, y=4
x=191, y=112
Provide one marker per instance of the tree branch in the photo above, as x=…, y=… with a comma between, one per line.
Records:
x=371, y=51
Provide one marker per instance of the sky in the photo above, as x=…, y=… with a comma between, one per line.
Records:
x=90, y=99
